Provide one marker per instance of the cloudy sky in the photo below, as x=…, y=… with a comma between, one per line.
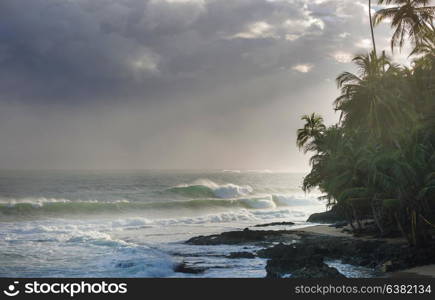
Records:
x=146, y=84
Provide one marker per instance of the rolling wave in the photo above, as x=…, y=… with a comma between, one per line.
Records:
x=201, y=194
x=62, y=230
x=42, y=206
x=209, y=189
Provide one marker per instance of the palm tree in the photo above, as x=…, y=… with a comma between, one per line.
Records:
x=312, y=130
x=378, y=161
x=369, y=99
x=409, y=18
x=403, y=179
x=426, y=45
x=371, y=26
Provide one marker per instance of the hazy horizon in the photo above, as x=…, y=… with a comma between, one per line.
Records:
x=273, y=171
x=171, y=84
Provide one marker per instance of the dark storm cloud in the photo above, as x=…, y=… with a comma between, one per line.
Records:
x=59, y=50
x=161, y=83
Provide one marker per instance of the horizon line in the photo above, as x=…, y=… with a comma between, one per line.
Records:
x=223, y=170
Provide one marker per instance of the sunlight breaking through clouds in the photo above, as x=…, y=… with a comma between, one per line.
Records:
x=364, y=43
x=197, y=2
x=303, y=68
x=257, y=30
x=342, y=57
x=145, y=63
x=289, y=29
x=130, y=78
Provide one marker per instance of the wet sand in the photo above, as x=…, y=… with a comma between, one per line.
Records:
x=338, y=232
x=327, y=230
x=427, y=271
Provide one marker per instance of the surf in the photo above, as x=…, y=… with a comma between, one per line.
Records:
x=207, y=188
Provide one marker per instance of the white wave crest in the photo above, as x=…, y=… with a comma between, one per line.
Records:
x=293, y=200
x=242, y=215
x=41, y=201
x=36, y=202
x=223, y=191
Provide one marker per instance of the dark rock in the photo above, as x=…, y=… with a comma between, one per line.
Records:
x=184, y=268
x=332, y=216
x=241, y=255
x=275, y=224
x=288, y=259
x=298, y=252
x=323, y=271
x=386, y=267
x=301, y=260
x=305, y=256
x=241, y=237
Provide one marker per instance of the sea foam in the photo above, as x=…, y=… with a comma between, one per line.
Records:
x=204, y=187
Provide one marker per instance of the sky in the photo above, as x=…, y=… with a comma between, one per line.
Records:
x=171, y=84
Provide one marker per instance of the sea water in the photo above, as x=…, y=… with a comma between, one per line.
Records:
x=134, y=223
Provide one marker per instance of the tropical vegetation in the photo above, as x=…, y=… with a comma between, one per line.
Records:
x=378, y=161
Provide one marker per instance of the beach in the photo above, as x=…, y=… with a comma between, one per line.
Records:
x=422, y=271
x=326, y=251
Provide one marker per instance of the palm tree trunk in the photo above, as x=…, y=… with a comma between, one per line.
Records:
x=377, y=211
x=402, y=230
x=371, y=26
x=357, y=218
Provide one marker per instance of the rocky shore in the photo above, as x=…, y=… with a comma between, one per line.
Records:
x=304, y=253
x=331, y=216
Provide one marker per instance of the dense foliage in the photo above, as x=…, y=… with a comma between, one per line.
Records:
x=378, y=162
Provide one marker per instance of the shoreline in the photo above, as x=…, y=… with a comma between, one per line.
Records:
x=304, y=252
x=338, y=232
x=426, y=271
x=326, y=230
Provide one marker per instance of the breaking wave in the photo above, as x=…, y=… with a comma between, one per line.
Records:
x=121, y=259
x=206, y=188
x=96, y=232
x=68, y=207
x=201, y=194
x=242, y=215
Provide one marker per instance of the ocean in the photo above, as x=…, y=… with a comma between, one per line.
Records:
x=134, y=223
